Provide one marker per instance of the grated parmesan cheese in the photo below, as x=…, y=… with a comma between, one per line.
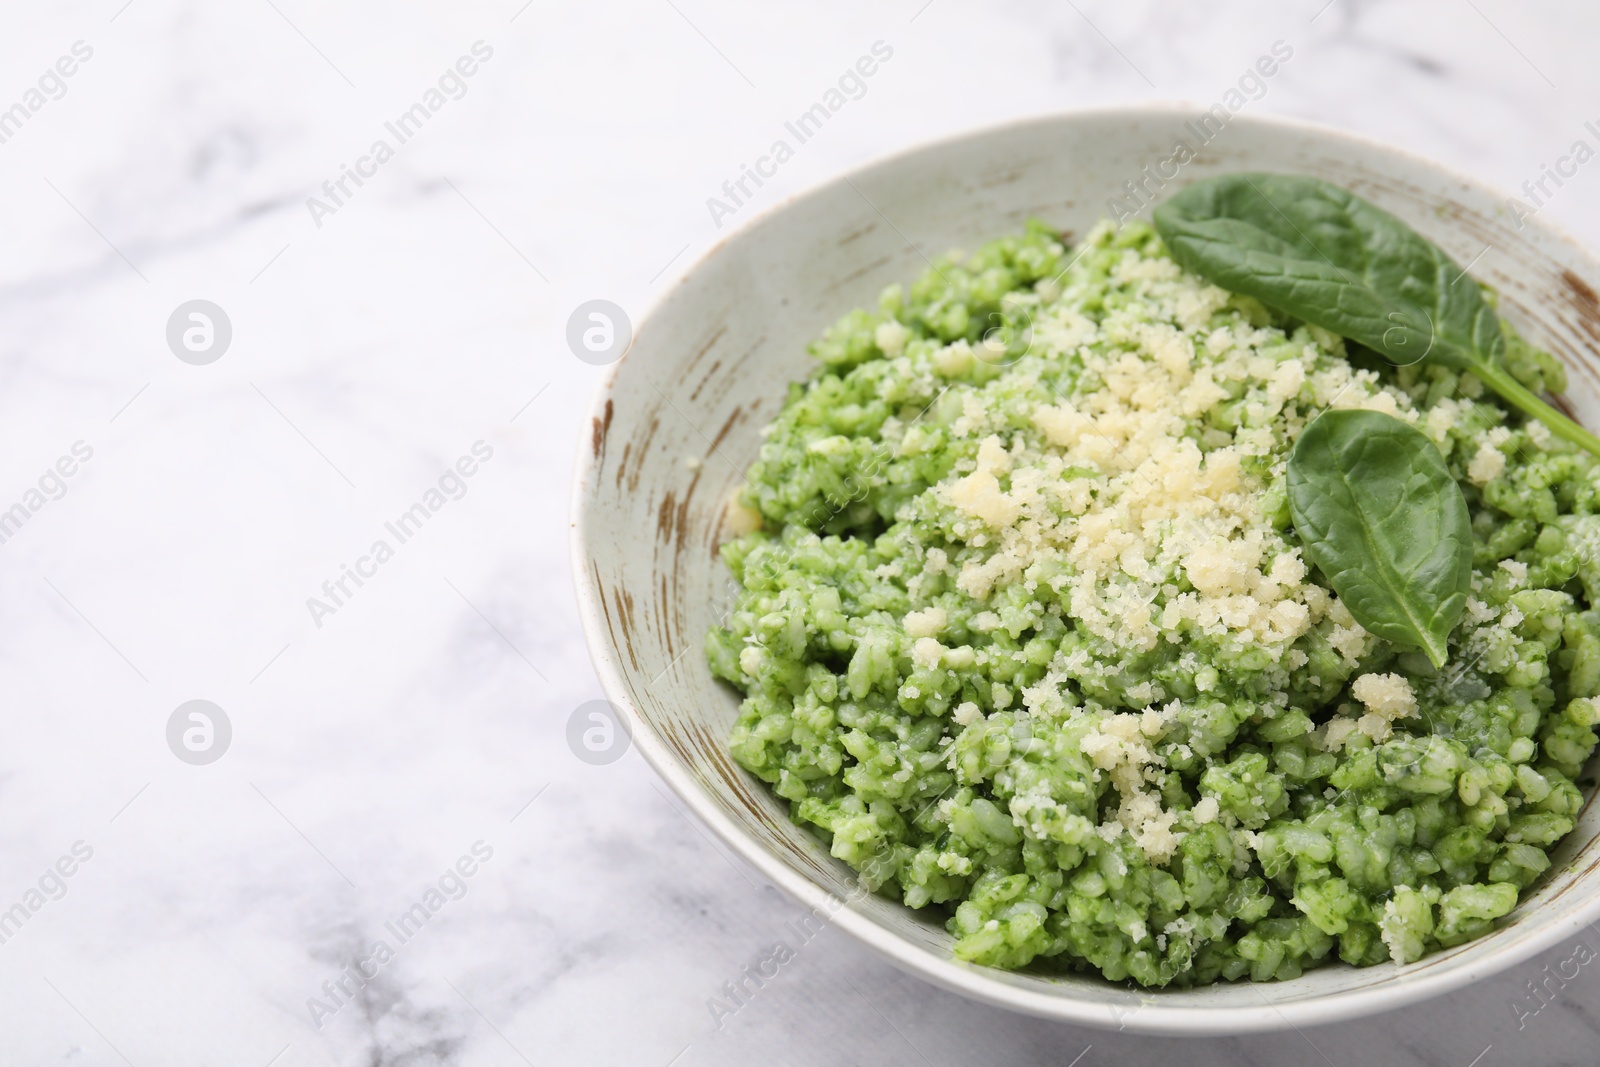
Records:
x=1387, y=697
x=1487, y=464
x=1518, y=571
x=926, y=623
x=891, y=336
x=1120, y=745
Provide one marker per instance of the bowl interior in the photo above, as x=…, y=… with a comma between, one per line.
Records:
x=677, y=423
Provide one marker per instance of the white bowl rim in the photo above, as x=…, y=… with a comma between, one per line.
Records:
x=1145, y=1013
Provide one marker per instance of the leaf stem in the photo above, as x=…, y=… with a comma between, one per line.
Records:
x=1523, y=398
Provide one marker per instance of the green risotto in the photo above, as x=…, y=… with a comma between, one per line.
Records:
x=1026, y=634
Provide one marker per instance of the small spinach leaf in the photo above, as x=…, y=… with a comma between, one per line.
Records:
x=1329, y=257
x=1379, y=514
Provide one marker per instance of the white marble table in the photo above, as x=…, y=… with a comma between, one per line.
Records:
x=379, y=738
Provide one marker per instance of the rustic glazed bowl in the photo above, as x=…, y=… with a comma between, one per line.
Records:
x=676, y=424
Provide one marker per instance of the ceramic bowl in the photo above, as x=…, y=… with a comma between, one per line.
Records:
x=676, y=424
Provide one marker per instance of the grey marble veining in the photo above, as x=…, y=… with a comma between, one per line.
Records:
x=374, y=746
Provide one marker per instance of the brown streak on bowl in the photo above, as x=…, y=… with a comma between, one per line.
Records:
x=1010, y=176
x=622, y=464
x=644, y=449
x=1581, y=296
x=725, y=381
x=623, y=601
x=680, y=524
x=664, y=620
x=711, y=372
x=857, y=233
x=618, y=636
x=664, y=515
x=722, y=434
x=862, y=272
x=706, y=346
x=601, y=428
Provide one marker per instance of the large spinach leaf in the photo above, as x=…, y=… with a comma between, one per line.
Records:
x=1325, y=255
x=1379, y=514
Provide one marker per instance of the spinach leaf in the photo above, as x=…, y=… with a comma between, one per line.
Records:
x=1379, y=514
x=1333, y=259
